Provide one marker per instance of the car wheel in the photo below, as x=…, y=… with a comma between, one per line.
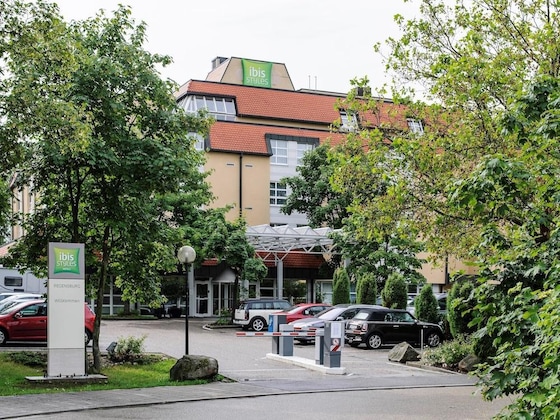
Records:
x=258, y=324
x=374, y=341
x=3, y=337
x=433, y=339
x=87, y=337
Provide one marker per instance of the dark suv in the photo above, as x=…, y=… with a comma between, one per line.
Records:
x=375, y=327
x=253, y=313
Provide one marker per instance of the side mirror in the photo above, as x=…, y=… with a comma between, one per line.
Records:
x=18, y=315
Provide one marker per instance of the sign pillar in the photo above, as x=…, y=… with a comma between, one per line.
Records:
x=65, y=310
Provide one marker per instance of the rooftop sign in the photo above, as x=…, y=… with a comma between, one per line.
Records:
x=257, y=73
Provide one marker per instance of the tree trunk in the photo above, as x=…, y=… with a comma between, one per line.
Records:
x=99, y=302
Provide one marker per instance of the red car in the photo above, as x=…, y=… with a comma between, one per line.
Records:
x=27, y=321
x=303, y=310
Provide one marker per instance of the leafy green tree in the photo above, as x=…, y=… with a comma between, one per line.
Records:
x=341, y=286
x=394, y=293
x=104, y=144
x=366, y=289
x=228, y=243
x=312, y=193
x=460, y=305
x=481, y=181
x=426, y=306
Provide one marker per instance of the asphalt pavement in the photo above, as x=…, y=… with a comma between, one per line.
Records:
x=254, y=370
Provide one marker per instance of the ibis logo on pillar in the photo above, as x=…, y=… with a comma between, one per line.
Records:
x=66, y=260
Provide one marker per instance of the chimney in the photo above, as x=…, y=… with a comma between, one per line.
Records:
x=217, y=61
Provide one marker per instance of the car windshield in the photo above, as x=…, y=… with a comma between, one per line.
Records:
x=9, y=306
x=292, y=309
x=331, y=314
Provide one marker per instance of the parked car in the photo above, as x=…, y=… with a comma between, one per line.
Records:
x=441, y=299
x=253, y=313
x=303, y=310
x=375, y=327
x=341, y=312
x=27, y=321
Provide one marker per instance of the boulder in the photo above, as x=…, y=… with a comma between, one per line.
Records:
x=468, y=363
x=191, y=367
x=403, y=352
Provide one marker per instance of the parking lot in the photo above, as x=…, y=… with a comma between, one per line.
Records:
x=244, y=358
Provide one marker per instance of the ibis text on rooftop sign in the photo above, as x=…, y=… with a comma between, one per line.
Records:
x=257, y=73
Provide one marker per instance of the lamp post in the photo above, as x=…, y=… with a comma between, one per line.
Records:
x=186, y=255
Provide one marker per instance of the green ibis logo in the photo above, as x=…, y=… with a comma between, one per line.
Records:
x=66, y=260
x=257, y=73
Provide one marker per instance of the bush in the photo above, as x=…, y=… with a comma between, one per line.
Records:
x=129, y=349
x=459, y=308
x=449, y=353
x=394, y=293
x=341, y=286
x=29, y=358
x=366, y=289
x=426, y=305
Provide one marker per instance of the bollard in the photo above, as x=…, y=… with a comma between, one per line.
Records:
x=274, y=322
x=334, y=340
x=286, y=343
x=319, y=343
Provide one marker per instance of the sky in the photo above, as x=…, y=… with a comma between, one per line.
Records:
x=323, y=43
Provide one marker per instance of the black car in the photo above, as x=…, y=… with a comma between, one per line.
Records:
x=378, y=326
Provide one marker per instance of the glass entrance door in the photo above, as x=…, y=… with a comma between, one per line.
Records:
x=202, y=299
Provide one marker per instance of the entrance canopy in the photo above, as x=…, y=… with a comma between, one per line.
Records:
x=285, y=239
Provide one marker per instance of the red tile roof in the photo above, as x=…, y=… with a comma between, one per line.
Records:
x=250, y=138
x=271, y=103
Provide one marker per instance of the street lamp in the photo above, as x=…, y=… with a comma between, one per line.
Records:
x=186, y=255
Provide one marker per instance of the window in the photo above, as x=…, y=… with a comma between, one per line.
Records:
x=199, y=141
x=415, y=126
x=279, y=152
x=222, y=109
x=13, y=281
x=301, y=149
x=278, y=193
x=349, y=121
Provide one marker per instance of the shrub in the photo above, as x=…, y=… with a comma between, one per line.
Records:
x=426, y=305
x=341, y=286
x=129, y=349
x=366, y=289
x=394, y=293
x=459, y=308
x=29, y=358
x=449, y=353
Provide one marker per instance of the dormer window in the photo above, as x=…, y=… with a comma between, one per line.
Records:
x=222, y=109
x=415, y=126
x=348, y=121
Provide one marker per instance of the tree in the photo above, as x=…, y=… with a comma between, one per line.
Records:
x=366, y=289
x=394, y=293
x=314, y=193
x=228, y=243
x=341, y=286
x=481, y=180
x=106, y=147
x=311, y=192
x=426, y=306
x=460, y=307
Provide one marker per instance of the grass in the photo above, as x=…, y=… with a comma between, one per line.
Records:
x=15, y=367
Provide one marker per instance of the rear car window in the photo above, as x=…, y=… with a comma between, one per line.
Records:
x=362, y=315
